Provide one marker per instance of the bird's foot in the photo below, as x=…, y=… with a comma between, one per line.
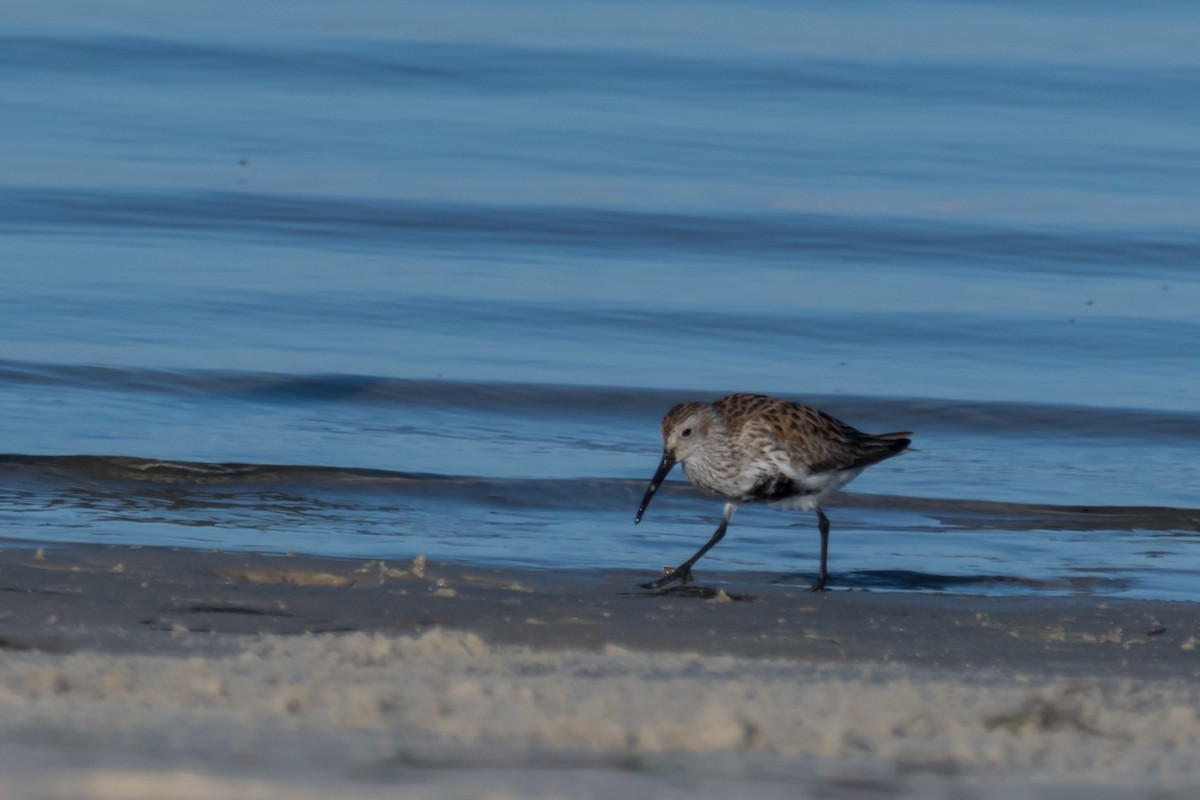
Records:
x=670, y=575
x=819, y=585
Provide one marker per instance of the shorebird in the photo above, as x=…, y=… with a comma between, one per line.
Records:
x=749, y=448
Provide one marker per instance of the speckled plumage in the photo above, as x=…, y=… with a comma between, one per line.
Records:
x=752, y=448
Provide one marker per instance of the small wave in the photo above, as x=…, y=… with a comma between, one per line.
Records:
x=376, y=223
x=78, y=475
x=511, y=398
x=985, y=514
x=603, y=402
x=68, y=474
x=523, y=69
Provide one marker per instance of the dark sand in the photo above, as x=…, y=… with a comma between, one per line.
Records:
x=131, y=599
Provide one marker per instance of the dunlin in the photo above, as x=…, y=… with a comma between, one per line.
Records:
x=749, y=448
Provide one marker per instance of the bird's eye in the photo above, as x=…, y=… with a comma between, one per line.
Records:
x=685, y=433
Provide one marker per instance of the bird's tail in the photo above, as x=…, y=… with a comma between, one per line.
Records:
x=878, y=446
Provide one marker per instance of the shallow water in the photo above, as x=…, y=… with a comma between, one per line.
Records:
x=435, y=275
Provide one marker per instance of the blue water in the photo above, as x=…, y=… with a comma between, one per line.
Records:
x=430, y=274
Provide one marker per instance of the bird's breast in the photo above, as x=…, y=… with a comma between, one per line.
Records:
x=713, y=477
x=740, y=483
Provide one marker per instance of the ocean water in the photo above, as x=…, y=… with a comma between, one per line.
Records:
x=377, y=279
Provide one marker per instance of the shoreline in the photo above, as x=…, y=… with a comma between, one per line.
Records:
x=130, y=598
x=195, y=674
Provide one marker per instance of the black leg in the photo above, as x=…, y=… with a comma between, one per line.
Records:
x=683, y=573
x=823, y=574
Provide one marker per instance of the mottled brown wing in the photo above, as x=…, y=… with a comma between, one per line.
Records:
x=850, y=448
x=809, y=436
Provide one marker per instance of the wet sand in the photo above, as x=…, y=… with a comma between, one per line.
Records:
x=132, y=672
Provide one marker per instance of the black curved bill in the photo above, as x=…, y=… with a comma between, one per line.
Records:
x=664, y=467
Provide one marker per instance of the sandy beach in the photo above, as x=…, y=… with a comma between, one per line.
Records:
x=144, y=672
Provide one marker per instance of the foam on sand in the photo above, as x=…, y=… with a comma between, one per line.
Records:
x=362, y=701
